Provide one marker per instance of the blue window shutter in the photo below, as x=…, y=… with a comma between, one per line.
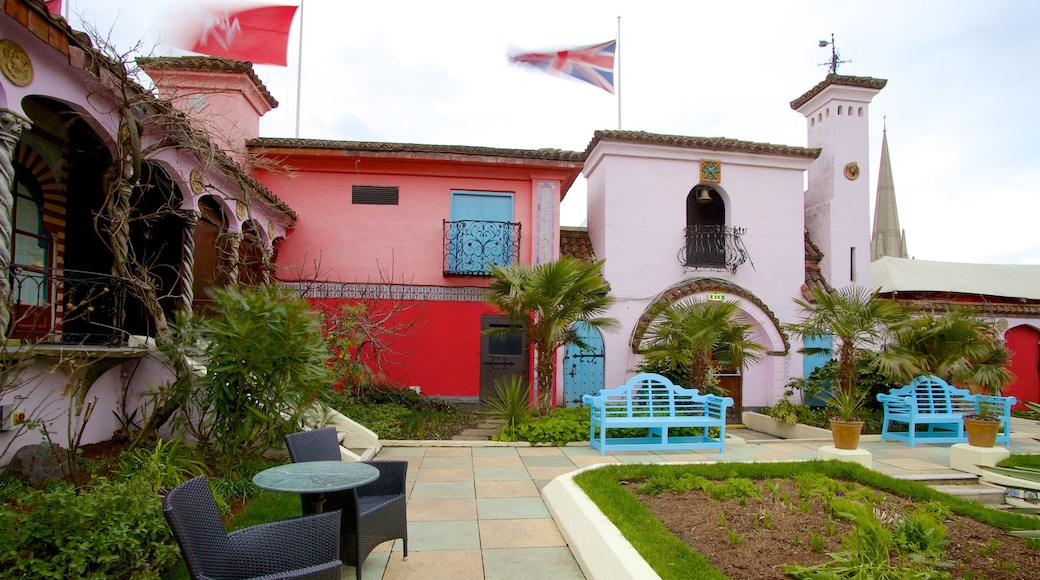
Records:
x=488, y=243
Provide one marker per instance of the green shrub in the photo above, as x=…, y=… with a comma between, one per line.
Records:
x=110, y=530
x=166, y=466
x=563, y=425
x=266, y=360
x=10, y=486
x=237, y=484
x=399, y=413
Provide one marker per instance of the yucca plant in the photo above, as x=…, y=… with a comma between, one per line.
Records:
x=511, y=403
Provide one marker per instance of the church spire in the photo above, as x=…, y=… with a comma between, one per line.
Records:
x=887, y=239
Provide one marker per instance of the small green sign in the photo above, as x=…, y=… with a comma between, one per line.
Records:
x=716, y=297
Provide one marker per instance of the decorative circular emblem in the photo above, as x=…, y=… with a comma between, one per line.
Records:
x=15, y=63
x=271, y=230
x=852, y=171
x=195, y=181
x=241, y=210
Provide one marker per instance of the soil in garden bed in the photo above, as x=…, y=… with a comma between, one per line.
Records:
x=756, y=539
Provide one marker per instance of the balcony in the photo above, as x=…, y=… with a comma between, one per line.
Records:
x=72, y=307
x=713, y=248
x=471, y=247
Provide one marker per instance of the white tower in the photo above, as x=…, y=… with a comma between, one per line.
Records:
x=837, y=202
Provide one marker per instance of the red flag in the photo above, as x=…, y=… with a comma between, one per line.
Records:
x=259, y=34
x=53, y=6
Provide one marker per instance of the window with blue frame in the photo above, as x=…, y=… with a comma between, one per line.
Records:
x=480, y=233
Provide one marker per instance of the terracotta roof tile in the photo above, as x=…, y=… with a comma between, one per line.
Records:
x=711, y=143
x=208, y=63
x=813, y=275
x=411, y=149
x=575, y=242
x=867, y=82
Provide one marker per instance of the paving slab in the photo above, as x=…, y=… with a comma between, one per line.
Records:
x=475, y=508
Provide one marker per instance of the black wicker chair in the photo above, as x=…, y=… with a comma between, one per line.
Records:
x=372, y=513
x=304, y=547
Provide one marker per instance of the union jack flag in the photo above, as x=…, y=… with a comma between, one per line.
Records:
x=592, y=64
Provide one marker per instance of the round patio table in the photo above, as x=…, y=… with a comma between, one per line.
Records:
x=316, y=477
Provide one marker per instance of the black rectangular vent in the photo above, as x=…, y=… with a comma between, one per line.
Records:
x=374, y=194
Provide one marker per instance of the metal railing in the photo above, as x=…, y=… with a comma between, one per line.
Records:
x=471, y=247
x=73, y=307
x=713, y=248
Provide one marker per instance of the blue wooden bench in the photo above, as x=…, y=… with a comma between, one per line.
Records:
x=933, y=403
x=653, y=402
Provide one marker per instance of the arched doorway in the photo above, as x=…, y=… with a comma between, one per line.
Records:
x=582, y=367
x=1024, y=344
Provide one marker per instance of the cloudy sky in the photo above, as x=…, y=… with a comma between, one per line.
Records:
x=961, y=105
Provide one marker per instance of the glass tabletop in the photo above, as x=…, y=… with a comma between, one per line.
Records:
x=315, y=476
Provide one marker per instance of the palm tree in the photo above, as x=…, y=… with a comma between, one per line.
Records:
x=549, y=299
x=958, y=347
x=859, y=320
x=690, y=339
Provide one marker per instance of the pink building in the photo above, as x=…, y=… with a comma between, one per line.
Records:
x=417, y=226
x=410, y=229
x=94, y=265
x=414, y=227
x=680, y=218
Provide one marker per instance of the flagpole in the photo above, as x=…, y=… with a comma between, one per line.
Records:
x=299, y=72
x=617, y=85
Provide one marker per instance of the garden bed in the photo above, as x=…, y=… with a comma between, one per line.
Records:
x=755, y=537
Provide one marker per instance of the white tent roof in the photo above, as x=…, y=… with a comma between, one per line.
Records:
x=904, y=275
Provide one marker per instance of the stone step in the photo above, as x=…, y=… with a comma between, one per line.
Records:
x=983, y=493
x=943, y=477
x=476, y=435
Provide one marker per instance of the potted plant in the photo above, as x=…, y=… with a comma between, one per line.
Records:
x=858, y=321
x=845, y=405
x=982, y=426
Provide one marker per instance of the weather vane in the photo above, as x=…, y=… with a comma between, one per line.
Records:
x=835, y=57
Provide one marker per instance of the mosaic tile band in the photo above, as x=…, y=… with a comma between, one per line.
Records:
x=356, y=291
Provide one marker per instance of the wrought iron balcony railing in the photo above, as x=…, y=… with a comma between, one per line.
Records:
x=73, y=307
x=713, y=248
x=471, y=247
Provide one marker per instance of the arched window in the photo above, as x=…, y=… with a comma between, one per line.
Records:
x=208, y=250
x=251, y=257
x=30, y=242
x=705, y=228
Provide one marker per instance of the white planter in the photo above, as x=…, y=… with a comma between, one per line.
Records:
x=770, y=426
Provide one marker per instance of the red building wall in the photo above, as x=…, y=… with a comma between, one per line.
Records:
x=1023, y=341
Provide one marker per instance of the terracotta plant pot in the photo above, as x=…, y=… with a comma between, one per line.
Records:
x=981, y=433
x=846, y=433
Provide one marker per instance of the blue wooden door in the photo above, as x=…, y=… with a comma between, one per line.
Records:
x=480, y=235
x=813, y=362
x=582, y=367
